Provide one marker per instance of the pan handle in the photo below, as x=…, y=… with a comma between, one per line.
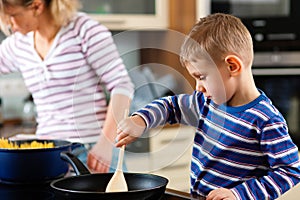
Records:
x=78, y=166
x=75, y=145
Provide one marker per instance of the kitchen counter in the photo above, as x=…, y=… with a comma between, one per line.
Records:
x=14, y=127
x=175, y=194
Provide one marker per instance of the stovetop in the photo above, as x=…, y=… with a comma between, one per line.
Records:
x=44, y=192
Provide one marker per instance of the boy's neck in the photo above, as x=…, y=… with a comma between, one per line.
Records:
x=245, y=92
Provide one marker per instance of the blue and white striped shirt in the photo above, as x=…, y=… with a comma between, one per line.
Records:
x=246, y=149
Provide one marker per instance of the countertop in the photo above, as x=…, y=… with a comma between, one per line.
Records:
x=14, y=127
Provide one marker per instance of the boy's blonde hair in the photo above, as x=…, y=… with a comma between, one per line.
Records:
x=62, y=10
x=218, y=35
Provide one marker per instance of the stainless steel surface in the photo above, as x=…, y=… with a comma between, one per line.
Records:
x=283, y=59
x=276, y=71
x=277, y=74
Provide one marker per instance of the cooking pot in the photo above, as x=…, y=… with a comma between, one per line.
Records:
x=92, y=186
x=22, y=166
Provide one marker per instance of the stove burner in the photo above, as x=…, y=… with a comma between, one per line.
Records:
x=42, y=181
x=26, y=192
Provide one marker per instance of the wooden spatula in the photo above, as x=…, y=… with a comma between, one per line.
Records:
x=118, y=183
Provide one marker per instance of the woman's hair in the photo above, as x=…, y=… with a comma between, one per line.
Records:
x=216, y=36
x=62, y=10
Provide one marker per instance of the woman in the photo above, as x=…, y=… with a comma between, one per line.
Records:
x=69, y=63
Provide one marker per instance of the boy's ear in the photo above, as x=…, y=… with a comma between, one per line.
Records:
x=234, y=65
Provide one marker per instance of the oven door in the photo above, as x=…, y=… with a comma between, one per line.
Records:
x=281, y=85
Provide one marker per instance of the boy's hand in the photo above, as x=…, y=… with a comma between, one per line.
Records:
x=221, y=194
x=129, y=130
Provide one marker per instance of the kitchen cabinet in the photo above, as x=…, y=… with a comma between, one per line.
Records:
x=172, y=153
x=128, y=14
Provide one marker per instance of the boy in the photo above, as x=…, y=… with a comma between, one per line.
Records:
x=242, y=149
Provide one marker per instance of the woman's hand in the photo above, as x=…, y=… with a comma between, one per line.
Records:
x=221, y=194
x=129, y=130
x=99, y=157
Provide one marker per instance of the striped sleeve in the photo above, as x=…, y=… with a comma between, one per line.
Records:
x=283, y=159
x=103, y=56
x=172, y=109
x=7, y=56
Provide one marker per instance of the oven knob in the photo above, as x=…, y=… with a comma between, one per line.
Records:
x=259, y=37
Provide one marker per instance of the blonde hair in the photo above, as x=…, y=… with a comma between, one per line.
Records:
x=217, y=35
x=62, y=10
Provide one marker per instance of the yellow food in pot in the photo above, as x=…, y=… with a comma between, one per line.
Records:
x=6, y=144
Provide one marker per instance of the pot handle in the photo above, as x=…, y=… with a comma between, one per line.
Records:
x=78, y=166
x=75, y=145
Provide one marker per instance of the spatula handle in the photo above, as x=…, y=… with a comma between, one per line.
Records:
x=121, y=156
x=122, y=149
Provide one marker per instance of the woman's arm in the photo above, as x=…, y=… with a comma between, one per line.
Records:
x=99, y=158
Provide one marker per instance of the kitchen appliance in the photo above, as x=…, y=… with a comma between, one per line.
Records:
x=44, y=192
x=273, y=24
x=278, y=75
x=31, y=166
x=92, y=186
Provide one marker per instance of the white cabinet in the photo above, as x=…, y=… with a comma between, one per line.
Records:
x=128, y=14
x=172, y=153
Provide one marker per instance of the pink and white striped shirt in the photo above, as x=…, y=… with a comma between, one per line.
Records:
x=68, y=86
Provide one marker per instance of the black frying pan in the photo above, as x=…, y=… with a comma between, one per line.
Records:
x=92, y=186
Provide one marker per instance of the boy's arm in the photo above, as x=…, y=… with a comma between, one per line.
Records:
x=179, y=109
x=283, y=161
x=173, y=109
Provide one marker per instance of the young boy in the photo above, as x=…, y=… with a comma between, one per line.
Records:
x=242, y=149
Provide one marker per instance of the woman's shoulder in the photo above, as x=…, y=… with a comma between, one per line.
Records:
x=18, y=39
x=84, y=21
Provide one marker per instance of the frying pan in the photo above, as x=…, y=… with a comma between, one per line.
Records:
x=27, y=166
x=92, y=186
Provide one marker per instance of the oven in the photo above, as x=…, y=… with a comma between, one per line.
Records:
x=273, y=24
x=278, y=75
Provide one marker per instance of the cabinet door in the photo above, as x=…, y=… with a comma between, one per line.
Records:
x=128, y=14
